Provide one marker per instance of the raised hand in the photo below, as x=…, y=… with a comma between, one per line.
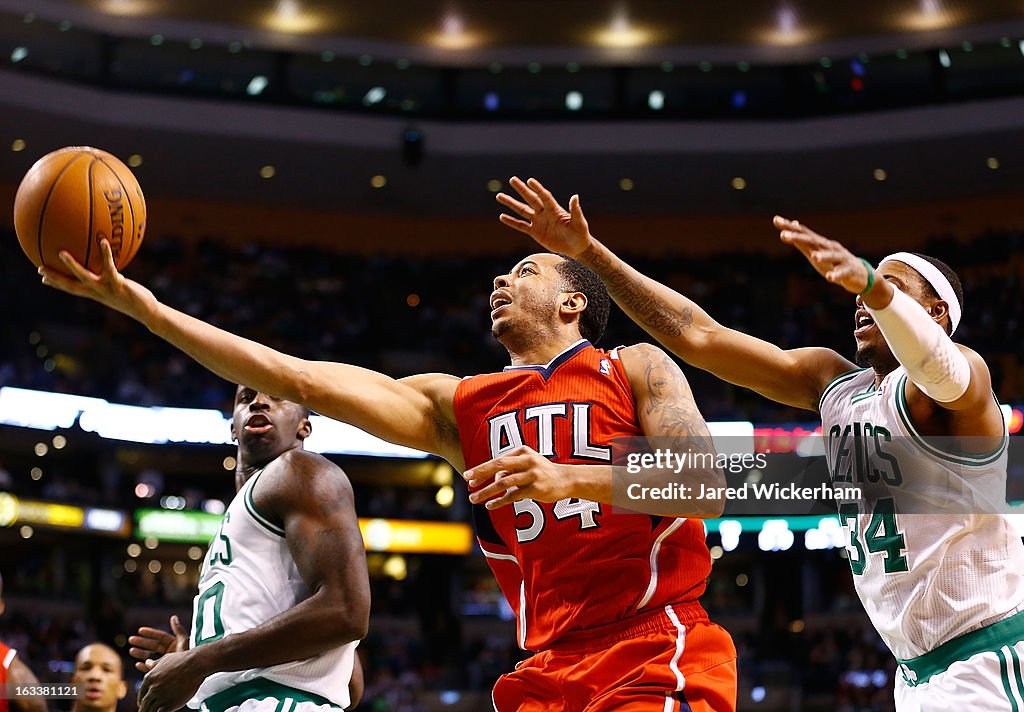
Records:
x=832, y=261
x=109, y=287
x=149, y=642
x=547, y=222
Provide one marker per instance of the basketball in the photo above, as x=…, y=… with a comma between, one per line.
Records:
x=74, y=198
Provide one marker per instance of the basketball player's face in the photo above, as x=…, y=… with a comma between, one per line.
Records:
x=265, y=426
x=527, y=297
x=872, y=348
x=98, y=674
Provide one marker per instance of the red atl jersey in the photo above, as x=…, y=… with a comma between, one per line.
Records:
x=571, y=566
x=6, y=658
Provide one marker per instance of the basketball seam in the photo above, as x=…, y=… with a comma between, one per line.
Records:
x=88, y=239
x=127, y=199
x=46, y=202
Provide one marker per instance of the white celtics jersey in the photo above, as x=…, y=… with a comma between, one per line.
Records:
x=249, y=577
x=931, y=558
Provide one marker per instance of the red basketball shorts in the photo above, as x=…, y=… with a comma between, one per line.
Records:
x=669, y=660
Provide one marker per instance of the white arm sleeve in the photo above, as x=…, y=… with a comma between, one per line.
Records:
x=933, y=361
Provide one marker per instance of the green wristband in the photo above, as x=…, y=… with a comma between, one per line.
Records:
x=871, y=277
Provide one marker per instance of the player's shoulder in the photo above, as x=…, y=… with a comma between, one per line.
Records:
x=642, y=356
x=298, y=480
x=299, y=463
x=297, y=473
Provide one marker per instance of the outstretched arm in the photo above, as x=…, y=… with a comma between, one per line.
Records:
x=943, y=376
x=313, y=499
x=666, y=411
x=403, y=412
x=794, y=377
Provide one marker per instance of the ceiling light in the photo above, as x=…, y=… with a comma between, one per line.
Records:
x=739, y=183
x=621, y=33
x=656, y=100
x=494, y=185
x=880, y=174
x=944, y=59
x=195, y=43
x=573, y=101
x=379, y=181
x=18, y=54
x=156, y=40
x=992, y=162
x=786, y=31
x=289, y=16
x=129, y=8
x=135, y=160
x=626, y=184
x=374, y=96
x=491, y=101
x=268, y=171
x=256, y=85
x=928, y=16
x=18, y=145
x=453, y=34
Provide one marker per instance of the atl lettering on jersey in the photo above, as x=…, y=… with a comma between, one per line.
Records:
x=571, y=566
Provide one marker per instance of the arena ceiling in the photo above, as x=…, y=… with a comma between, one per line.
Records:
x=460, y=29
x=208, y=150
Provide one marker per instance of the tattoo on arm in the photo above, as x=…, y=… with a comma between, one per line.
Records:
x=678, y=417
x=642, y=302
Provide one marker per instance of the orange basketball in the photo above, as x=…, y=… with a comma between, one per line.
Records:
x=74, y=198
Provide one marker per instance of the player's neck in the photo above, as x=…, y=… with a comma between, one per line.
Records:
x=540, y=354
x=884, y=369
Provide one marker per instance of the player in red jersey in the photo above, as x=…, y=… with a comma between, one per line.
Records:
x=607, y=600
x=14, y=672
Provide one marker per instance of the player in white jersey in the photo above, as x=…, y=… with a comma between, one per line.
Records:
x=284, y=593
x=940, y=574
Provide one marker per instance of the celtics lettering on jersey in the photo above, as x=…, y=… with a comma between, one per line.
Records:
x=859, y=454
x=506, y=434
